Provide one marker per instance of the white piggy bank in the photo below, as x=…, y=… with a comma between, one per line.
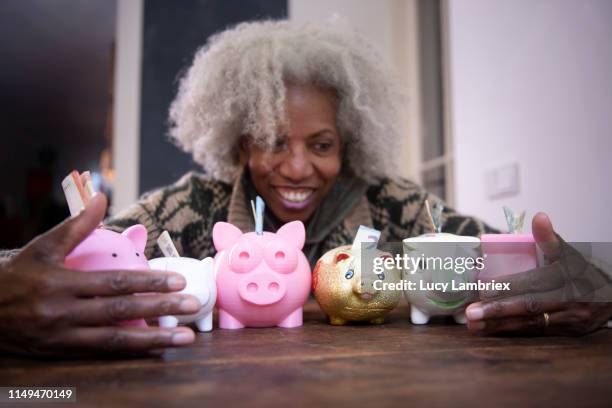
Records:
x=200, y=277
x=437, y=291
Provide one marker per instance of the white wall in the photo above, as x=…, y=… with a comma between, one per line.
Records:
x=531, y=82
x=126, y=106
x=371, y=18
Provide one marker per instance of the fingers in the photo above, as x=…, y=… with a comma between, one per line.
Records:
x=572, y=319
x=521, y=324
x=122, y=282
x=111, y=310
x=547, y=278
x=572, y=276
x=100, y=340
x=545, y=236
x=62, y=239
x=524, y=305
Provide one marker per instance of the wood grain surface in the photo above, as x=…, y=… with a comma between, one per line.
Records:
x=396, y=364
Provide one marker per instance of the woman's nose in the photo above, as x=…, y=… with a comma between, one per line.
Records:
x=296, y=166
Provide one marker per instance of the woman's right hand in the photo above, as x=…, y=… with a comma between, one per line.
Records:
x=48, y=310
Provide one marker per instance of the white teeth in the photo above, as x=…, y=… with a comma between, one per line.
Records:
x=295, y=196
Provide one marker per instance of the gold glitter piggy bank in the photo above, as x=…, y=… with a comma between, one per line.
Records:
x=342, y=294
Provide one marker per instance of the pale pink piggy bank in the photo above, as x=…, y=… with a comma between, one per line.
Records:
x=262, y=280
x=107, y=250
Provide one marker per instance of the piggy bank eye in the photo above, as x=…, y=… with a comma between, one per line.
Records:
x=137, y=254
x=114, y=255
x=281, y=257
x=244, y=257
x=349, y=274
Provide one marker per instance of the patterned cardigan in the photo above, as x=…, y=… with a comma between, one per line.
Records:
x=189, y=208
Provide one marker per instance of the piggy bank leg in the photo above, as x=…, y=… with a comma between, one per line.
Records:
x=378, y=320
x=460, y=318
x=336, y=321
x=227, y=321
x=417, y=316
x=293, y=320
x=167, y=321
x=205, y=324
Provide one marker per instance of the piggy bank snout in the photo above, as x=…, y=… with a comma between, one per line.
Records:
x=262, y=288
x=363, y=290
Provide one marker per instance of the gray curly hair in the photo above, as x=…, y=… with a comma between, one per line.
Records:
x=236, y=86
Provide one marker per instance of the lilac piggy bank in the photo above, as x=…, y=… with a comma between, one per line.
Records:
x=262, y=280
x=107, y=250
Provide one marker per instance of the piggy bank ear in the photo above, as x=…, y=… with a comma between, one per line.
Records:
x=225, y=235
x=138, y=235
x=294, y=233
x=341, y=256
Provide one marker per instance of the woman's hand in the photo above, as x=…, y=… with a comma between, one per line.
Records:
x=47, y=310
x=567, y=296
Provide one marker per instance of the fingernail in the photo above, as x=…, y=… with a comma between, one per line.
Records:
x=474, y=312
x=477, y=325
x=183, y=337
x=190, y=305
x=176, y=282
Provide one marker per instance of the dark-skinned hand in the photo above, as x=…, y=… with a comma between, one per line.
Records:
x=49, y=310
x=571, y=291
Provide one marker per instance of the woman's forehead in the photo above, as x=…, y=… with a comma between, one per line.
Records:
x=311, y=108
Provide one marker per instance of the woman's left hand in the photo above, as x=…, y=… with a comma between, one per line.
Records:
x=567, y=296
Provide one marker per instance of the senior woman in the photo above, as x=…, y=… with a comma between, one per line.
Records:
x=304, y=116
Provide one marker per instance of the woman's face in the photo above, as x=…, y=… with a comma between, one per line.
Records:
x=294, y=177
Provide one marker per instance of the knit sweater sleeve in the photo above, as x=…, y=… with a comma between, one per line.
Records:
x=186, y=209
x=398, y=209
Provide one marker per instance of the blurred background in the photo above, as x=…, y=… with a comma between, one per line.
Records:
x=510, y=101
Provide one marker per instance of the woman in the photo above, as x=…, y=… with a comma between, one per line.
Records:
x=304, y=116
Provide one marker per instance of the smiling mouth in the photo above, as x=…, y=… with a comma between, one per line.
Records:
x=295, y=195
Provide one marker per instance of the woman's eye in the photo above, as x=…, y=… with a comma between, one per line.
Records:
x=381, y=276
x=280, y=144
x=323, y=146
x=349, y=274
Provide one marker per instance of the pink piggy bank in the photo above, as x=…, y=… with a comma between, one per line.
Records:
x=107, y=250
x=262, y=280
x=507, y=254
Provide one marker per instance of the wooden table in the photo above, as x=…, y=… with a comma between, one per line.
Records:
x=396, y=364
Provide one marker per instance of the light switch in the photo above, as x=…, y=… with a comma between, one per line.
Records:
x=502, y=181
